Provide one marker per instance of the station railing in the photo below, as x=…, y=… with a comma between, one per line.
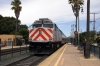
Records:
x=95, y=50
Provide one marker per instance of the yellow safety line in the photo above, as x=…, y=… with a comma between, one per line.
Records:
x=60, y=57
x=49, y=60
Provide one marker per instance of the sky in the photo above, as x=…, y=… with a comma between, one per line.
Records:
x=59, y=11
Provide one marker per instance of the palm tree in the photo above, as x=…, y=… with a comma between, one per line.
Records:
x=76, y=7
x=17, y=8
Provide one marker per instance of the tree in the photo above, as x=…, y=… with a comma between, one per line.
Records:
x=1, y=16
x=98, y=40
x=24, y=31
x=17, y=8
x=83, y=36
x=7, y=25
x=76, y=7
x=74, y=4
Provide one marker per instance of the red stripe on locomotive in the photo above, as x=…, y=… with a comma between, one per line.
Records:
x=31, y=30
x=39, y=36
x=50, y=30
x=46, y=33
x=34, y=32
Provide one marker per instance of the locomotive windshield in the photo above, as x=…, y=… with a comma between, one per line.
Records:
x=48, y=25
x=37, y=25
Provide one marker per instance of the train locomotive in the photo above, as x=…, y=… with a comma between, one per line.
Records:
x=45, y=37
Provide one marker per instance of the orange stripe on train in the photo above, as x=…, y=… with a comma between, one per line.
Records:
x=46, y=33
x=39, y=36
x=34, y=32
x=30, y=32
x=50, y=30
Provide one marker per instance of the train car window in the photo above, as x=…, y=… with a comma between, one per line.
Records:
x=48, y=25
x=37, y=25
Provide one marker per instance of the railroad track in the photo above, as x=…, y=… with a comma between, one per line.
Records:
x=29, y=61
x=15, y=50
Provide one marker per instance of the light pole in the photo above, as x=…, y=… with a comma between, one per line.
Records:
x=73, y=34
x=79, y=26
x=75, y=13
x=76, y=29
x=75, y=7
x=77, y=37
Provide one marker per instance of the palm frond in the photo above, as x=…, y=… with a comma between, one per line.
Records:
x=13, y=8
x=20, y=8
x=76, y=2
x=70, y=1
x=16, y=7
x=12, y=3
x=16, y=3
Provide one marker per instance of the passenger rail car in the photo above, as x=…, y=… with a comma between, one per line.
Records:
x=45, y=37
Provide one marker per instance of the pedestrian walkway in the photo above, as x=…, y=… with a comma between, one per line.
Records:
x=68, y=55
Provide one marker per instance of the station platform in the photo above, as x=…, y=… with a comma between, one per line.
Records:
x=68, y=55
x=10, y=47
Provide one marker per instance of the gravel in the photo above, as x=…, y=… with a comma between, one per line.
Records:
x=7, y=59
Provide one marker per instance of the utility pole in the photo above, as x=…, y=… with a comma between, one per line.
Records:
x=78, y=32
x=87, y=48
x=94, y=25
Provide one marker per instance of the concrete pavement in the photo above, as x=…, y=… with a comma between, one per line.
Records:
x=68, y=55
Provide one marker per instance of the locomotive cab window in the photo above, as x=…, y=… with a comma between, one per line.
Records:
x=37, y=25
x=48, y=25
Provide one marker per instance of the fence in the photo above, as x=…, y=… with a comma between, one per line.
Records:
x=95, y=50
x=12, y=47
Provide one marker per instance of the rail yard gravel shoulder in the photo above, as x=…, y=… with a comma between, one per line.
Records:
x=7, y=59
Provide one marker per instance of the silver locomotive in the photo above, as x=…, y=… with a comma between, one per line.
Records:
x=45, y=37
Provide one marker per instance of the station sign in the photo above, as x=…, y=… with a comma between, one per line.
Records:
x=75, y=32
